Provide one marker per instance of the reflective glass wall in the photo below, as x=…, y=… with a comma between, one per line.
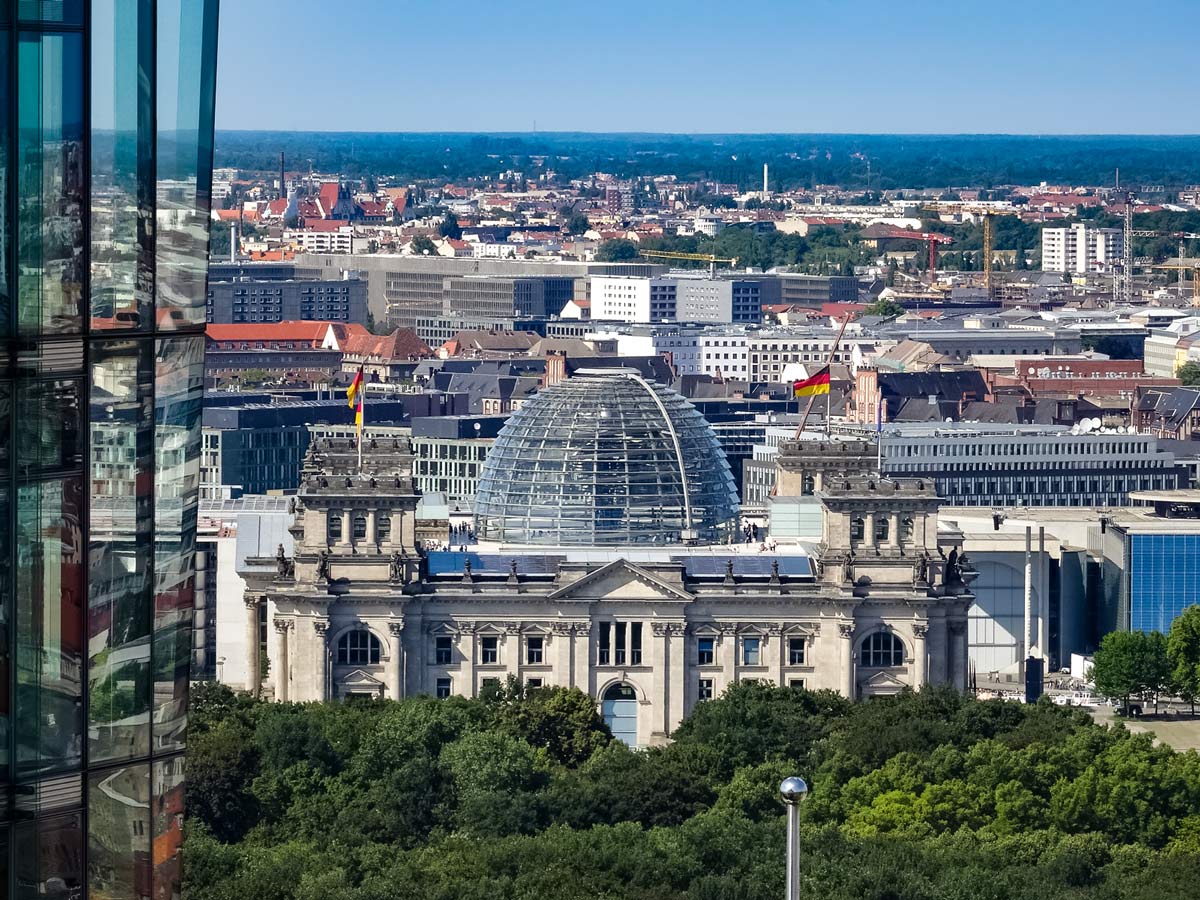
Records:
x=105, y=173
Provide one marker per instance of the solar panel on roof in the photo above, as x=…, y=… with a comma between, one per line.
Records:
x=451, y=562
x=753, y=566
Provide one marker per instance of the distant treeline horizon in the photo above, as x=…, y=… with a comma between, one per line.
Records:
x=795, y=161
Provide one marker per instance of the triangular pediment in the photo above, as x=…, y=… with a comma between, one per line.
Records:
x=884, y=679
x=621, y=580
x=359, y=678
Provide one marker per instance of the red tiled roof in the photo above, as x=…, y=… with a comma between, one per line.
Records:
x=308, y=332
x=328, y=196
x=402, y=343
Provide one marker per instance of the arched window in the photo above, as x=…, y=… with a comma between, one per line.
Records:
x=906, y=529
x=358, y=648
x=882, y=649
x=808, y=486
x=882, y=527
x=333, y=525
x=360, y=526
x=856, y=529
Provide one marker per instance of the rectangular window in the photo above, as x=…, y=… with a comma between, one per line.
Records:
x=534, y=683
x=619, y=657
x=50, y=181
x=605, y=643
x=443, y=650
x=795, y=651
x=442, y=691
x=533, y=651
x=489, y=650
x=705, y=651
x=751, y=651
x=705, y=691
x=796, y=683
x=635, y=644
x=489, y=686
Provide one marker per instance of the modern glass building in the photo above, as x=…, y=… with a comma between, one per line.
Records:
x=105, y=172
x=605, y=458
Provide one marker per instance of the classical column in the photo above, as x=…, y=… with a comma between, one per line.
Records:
x=894, y=530
x=729, y=657
x=252, y=647
x=396, y=628
x=846, y=630
x=563, y=647
x=512, y=649
x=779, y=641
x=958, y=640
x=660, y=662
x=677, y=670
x=347, y=534
x=466, y=649
x=370, y=540
x=581, y=661
x=919, y=655
x=282, y=658
x=321, y=635
x=869, y=530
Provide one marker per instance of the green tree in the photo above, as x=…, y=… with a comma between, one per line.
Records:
x=449, y=227
x=1189, y=373
x=1131, y=664
x=1183, y=653
x=422, y=245
x=561, y=721
x=619, y=250
x=889, y=309
x=577, y=223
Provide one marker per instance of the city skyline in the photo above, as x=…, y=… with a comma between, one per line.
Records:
x=818, y=68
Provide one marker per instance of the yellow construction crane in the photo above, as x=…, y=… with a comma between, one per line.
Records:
x=1182, y=265
x=690, y=257
x=986, y=213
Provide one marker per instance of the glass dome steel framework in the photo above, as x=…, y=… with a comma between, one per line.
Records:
x=606, y=458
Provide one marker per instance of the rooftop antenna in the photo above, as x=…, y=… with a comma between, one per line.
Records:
x=282, y=178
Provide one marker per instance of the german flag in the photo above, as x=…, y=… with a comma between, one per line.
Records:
x=355, y=388
x=812, y=386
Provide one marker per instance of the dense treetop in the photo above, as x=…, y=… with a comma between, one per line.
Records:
x=525, y=795
x=796, y=161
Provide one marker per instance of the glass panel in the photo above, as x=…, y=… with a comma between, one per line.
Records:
x=5, y=100
x=49, y=576
x=168, y=822
x=119, y=833
x=120, y=564
x=6, y=600
x=67, y=12
x=49, y=619
x=187, y=34
x=122, y=156
x=178, y=396
x=48, y=858
x=51, y=178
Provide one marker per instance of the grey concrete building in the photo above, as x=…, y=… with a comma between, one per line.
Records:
x=281, y=292
x=415, y=291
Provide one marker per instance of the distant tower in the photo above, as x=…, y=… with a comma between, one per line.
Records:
x=765, y=190
x=282, y=179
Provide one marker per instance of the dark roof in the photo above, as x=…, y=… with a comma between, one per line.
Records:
x=952, y=385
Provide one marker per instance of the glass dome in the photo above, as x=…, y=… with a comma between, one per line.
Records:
x=595, y=460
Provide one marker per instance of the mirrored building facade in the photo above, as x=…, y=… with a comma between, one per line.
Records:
x=105, y=174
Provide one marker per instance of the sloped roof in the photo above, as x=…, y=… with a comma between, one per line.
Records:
x=314, y=332
x=402, y=343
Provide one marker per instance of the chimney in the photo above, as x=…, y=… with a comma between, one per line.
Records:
x=556, y=368
x=233, y=243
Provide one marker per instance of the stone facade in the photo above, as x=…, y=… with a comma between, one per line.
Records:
x=876, y=606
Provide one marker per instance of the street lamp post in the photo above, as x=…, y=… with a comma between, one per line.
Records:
x=793, y=791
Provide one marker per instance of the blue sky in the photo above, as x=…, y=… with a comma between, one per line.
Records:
x=930, y=66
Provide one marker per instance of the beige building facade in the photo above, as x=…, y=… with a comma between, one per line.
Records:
x=879, y=604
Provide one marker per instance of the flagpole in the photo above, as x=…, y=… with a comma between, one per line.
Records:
x=362, y=414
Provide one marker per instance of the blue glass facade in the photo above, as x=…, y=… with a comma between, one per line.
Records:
x=105, y=182
x=1163, y=573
